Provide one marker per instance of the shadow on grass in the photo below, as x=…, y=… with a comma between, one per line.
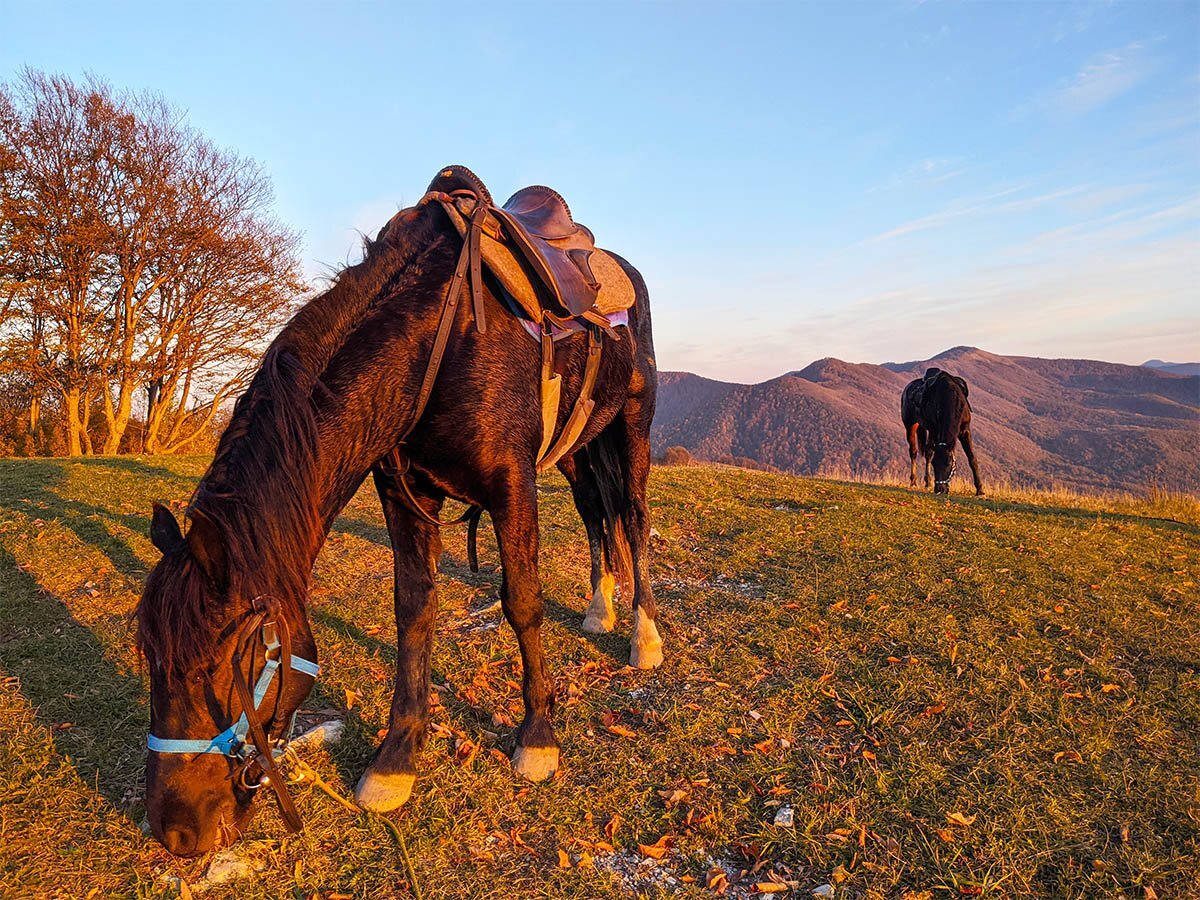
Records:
x=34, y=491
x=95, y=712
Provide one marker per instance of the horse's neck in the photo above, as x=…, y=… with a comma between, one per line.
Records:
x=355, y=432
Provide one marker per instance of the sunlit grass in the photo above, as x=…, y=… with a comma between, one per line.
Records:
x=874, y=658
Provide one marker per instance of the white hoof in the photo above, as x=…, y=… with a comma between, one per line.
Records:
x=600, y=617
x=383, y=793
x=645, y=646
x=535, y=763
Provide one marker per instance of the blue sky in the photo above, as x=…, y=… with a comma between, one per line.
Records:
x=872, y=181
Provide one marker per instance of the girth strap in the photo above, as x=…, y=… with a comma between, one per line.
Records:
x=583, y=404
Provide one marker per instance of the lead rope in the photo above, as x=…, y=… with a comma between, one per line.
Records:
x=307, y=772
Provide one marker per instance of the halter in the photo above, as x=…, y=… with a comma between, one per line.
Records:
x=953, y=465
x=259, y=751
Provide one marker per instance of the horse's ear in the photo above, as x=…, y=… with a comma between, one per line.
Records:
x=164, y=530
x=207, y=544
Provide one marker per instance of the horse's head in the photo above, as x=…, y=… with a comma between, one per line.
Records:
x=943, y=466
x=200, y=637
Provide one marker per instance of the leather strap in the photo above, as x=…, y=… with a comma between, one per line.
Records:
x=473, y=515
x=265, y=757
x=583, y=404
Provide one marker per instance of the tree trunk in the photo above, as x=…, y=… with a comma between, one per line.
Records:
x=74, y=445
x=118, y=418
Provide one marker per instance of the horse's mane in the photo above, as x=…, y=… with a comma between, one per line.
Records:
x=262, y=490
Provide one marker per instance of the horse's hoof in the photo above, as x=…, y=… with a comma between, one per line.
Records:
x=645, y=646
x=593, y=625
x=600, y=617
x=381, y=793
x=535, y=763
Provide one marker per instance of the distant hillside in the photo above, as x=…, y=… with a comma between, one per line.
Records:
x=1078, y=423
x=1190, y=368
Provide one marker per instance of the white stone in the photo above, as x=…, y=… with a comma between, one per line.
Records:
x=785, y=817
x=322, y=735
x=228, y=865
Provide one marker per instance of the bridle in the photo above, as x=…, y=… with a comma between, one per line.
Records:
x=953, y=465
x=246, y=741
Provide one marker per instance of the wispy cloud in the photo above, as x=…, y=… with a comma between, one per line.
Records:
x=1101, y=79
x=988, y=205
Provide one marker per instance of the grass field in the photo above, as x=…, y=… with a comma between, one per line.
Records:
x=972, y=697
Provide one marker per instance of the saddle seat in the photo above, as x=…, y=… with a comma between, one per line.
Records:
x=546, y=261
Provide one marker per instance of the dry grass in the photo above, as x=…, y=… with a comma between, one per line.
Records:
x=874, y=658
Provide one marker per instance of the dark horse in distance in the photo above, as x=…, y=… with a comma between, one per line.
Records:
x=386, y=374
x=936, y=414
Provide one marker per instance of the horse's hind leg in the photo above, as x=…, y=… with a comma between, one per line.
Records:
x=621, y=459
x=600, y=617
x=513, y=507
x=969, y=449
x=911, y=434
x=927, y=452
x=416, y=546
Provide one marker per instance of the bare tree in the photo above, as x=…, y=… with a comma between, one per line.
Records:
x=133, y=254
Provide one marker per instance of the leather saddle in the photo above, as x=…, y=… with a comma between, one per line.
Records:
x=546, y=261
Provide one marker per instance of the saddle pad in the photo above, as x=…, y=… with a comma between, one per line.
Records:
x=573, y=326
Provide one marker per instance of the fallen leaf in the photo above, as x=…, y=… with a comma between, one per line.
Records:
x=770, y=887
x=622, y=731
x=352, y=697
x=610, y=829
x=957, y=818
x=564, y=861
x=659, y=848
x=671, y=797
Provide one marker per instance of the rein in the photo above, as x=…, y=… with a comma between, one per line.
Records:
x=260, y=751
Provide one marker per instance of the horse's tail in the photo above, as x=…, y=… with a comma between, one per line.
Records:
x=610, y=466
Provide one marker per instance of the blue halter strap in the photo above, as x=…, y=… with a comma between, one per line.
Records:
x=232, y=741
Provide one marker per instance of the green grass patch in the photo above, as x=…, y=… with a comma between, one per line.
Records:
x=994, y=696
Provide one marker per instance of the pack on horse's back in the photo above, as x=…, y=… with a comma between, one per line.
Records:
x=473, y=347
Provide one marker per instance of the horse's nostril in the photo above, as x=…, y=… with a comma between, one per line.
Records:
x=180, y=841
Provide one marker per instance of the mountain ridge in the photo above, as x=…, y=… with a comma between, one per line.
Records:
x=1084, y=424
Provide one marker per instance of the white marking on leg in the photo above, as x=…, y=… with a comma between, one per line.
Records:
x=645, y=646
x=381, y=792
x=535, y=763
x=600, y=617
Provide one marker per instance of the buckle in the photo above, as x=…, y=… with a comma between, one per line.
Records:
x=270, y=636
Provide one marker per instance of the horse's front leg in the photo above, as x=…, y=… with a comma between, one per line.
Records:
x=514, y=514
x=969, y=449
x=416, y=546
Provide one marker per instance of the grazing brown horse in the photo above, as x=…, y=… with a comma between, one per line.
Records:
x=349, y=389
x=936, y=413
